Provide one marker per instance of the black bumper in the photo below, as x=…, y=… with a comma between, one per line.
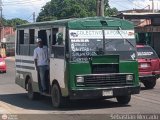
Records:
x=149, y=77
x=98, y=93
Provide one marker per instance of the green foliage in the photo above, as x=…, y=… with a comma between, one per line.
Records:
x=14, y=22
x=111, y=12
x=61, y=9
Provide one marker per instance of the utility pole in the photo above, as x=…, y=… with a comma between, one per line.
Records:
x=34, y=17
x=98, y=4
x=100, y=7
x=1, y=22
x=152, y=5
x=1, y=9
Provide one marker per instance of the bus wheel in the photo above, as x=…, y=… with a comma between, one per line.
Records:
x=124, y=99
x=31, y=95
x=57, y=99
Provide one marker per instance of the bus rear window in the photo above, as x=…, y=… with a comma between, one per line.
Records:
x=146, y=52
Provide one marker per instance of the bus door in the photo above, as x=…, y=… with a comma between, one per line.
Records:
x=45, y=34
x=57, y=61
x=48, y=44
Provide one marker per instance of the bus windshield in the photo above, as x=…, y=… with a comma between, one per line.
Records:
x=86, y=43
x=125, y=48
x=83, y=48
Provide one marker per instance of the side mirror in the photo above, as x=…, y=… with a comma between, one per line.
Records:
x=59, y=38
x=67, y=56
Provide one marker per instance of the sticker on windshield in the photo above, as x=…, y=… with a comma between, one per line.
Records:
x=144, y=53
x=133, y=56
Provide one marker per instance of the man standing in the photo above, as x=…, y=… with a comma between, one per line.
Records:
x=41, y=63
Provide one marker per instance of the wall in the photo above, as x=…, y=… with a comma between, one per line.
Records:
x=6, y=32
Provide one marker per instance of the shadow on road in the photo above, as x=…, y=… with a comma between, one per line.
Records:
x=91, y=104
x=144, y=88
x=21, y=100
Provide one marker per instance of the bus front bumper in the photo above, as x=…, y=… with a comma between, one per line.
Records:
x=104, y=93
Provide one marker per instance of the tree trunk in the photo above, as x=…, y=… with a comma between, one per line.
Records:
x=100, y=7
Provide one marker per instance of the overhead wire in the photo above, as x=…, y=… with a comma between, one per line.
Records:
x=131, y=1
x=22, y=2
x=119, y=3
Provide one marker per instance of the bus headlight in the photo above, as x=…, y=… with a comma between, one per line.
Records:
x=80, y=79
x=129, y=77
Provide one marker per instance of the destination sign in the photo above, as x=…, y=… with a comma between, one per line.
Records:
x=85, y=34
x=98, y=34
x=119, y=34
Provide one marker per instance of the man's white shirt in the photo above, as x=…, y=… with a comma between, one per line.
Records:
x=41, y=54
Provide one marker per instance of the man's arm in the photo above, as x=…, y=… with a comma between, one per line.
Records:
x=35, y=61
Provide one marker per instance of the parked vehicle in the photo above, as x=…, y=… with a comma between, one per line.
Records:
x=2, y=64
x=7, y=49
x=149, y=65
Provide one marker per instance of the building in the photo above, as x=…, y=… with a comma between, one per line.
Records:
x=7, y=40
x=147, y=27
x=6, y=34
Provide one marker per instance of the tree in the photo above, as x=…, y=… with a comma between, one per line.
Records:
x=61, y=9
x=108, y=10
x=13, y=22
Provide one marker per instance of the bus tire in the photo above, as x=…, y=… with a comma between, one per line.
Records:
x=124, y=99
x=31, y=94
x=57, y=99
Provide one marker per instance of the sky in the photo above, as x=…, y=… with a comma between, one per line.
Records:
x=24, y=8
x=134, y=4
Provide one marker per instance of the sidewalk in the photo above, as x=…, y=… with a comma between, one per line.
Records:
x=12, y=58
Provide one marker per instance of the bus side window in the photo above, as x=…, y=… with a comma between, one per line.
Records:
x=43, y=35
x=32, y=43
x=23, y=39
x=31, y=36
x=20, y=41
x=21, y=36
x=54, y=32
x=59, y=38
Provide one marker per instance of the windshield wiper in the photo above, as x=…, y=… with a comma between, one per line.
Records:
x=125, y=38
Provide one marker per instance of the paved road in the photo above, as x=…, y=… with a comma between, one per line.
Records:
x=13, y=100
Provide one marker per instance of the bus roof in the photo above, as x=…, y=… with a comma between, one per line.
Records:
x=84, y=23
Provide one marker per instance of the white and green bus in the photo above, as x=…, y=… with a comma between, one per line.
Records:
x=90, y=58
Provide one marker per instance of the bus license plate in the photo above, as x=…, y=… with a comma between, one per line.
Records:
x=107, y=93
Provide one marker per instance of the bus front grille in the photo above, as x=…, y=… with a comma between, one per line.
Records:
x=105, y=80
x=105, y=68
